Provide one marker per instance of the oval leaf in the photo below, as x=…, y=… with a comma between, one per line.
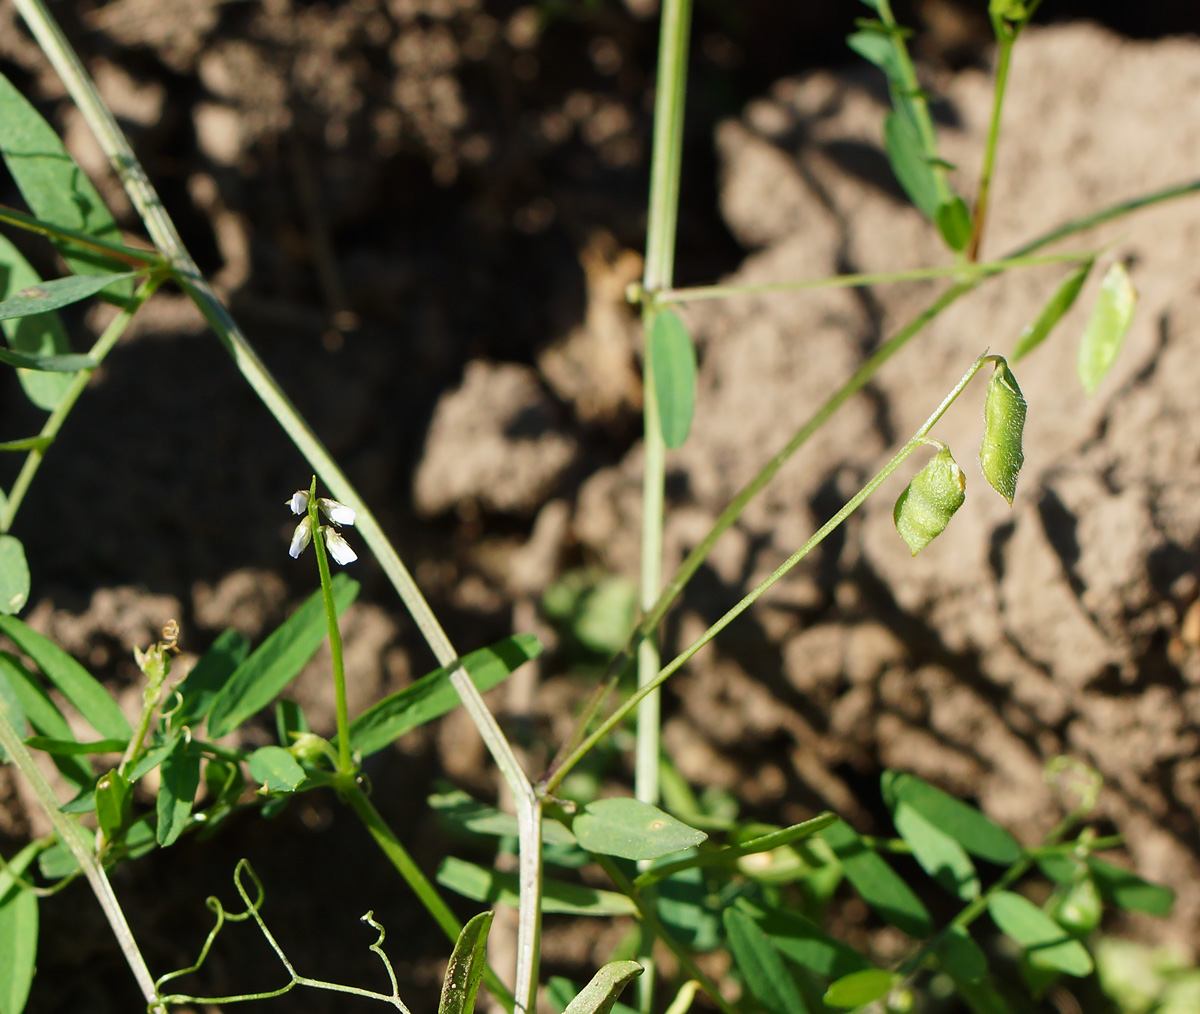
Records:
x=275, y=769
x=928, y=503
x=43, y=335
x=954, y=222
x=1106, y=329
x=880, y=886
x=939, y=855
x=599, y=995
x=1063, y=299
x=632, y=829
x=466, y=967
x=672, y=361
x=762, y=968
x=1045, y=942
x=18, y=933
x=965, y=824
x=912, y=170
x=177, y=791
x=1129, y=891
x=860, y=988
x=14, y=575
x=1001, y=453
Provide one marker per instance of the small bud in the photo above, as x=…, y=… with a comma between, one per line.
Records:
x=298, y=502
x=1000, y=453
x=928, y=503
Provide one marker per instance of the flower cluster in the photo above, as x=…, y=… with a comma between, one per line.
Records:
x=337, y=513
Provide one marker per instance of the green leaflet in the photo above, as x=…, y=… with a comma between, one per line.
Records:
x=804, y=943
x=907, y=156
x=1107, y=327
x=55, y=188
x=928, y=503
x=45, y=296
x=44, y=716
x=672, y=361
x=481, y=884
x=962, y=822
x=860, y=988
x=459, y=809
x=177, y=791
x=14, y=575
x=761, y=967
x=79, y=686
x=1059, y=303
x=1047, y=945
x=631, y=829
x=600, y=995
x=18, y=933
x=277, y=661
x=939, y=854
x=466, y=966
x=200, y=686
x=275, y=769
x=880, y=886
x=43, y=335
x=433, y=695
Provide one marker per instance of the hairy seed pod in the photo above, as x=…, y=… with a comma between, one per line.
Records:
x=928, y=503
x=1000, y=454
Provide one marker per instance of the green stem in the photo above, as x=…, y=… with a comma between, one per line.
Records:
x=1005, y=41
x=166, y=238
x=398, y=856
x=103, y=345
x=959, y=272
x=72, y=836
x=821, y=534
x=345, y=765
x=118, y=251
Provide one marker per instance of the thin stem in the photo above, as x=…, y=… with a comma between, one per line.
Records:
x=821, y=534
x=54, y=421
x=118, y=251
x=163, y=233
x=345, y=765
x=959, y=272
x=71, y=835
x=398, y=856
x=1005, y=40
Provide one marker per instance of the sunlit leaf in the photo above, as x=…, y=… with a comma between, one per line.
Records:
x=860, y=988
x=1047, y=944
x=275, y=769
x=631, y=829
x=939, y=855
x=59, y=292
x=906, y=154
x=761, y=967
x=878, y=884
x=1059, y=303
x=14, y=575
x=277, y=661
x=599, y=995
x=78, y=686
x=672, y=359
x=1107, y=327
x=466, y=967
x=962, y=822
x=434, y=695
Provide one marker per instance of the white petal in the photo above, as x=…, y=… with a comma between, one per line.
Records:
x=300, y=538
x=339, y=549
x=299, y=501
x=337, y=512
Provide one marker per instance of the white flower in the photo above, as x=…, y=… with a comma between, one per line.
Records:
x=339, y=549
x=337, y=512
x=298, y=503
x=301, y=536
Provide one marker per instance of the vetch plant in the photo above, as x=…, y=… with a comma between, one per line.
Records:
x=694, y=874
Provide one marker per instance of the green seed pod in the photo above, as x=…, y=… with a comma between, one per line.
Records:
x=928, y=503
x=1000, y=454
